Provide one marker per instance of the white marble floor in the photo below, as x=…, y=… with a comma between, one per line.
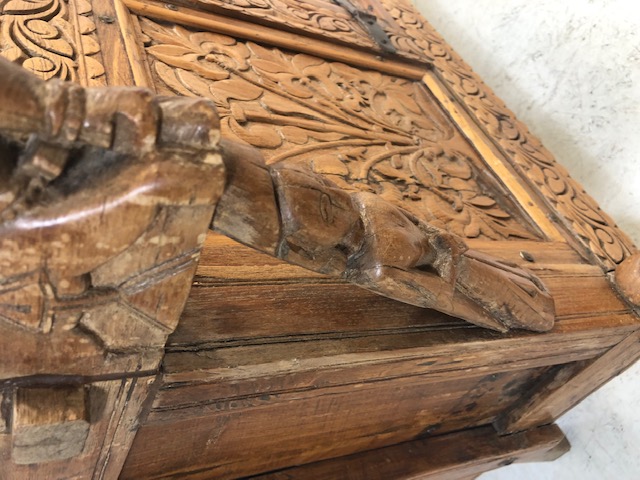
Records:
x=571, y=70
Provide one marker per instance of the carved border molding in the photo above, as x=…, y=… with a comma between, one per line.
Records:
x=416, y=38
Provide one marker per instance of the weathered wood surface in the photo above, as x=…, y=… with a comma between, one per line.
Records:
x=335, y=336
x=301, y=425
x=567, y=386
x=437, y=458
x=113, y=411
x=102, y=219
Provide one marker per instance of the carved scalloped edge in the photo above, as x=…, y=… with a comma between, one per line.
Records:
x=578, y=211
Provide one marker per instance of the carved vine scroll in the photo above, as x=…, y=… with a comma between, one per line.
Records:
x=52, y=39
x=366, y=131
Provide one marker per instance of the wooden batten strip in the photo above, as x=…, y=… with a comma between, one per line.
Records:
x=279, y=38
x=131, y=36
x=203, y=377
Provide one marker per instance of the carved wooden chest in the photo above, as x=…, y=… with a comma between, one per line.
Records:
x=399, y=280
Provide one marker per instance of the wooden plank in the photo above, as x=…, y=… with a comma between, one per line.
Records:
x=235, y=372
x=456, y=456
x=216, y=314
x=260, y=433
x=564, y=387
x=234, y=283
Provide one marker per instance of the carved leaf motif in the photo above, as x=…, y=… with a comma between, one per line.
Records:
x=366, y=130
x=413, y=37
x=41, y=35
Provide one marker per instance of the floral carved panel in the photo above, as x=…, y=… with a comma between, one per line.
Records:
x=53, y=39
x=363, y=129
x=414, y=37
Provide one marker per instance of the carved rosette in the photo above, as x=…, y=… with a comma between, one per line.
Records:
x=412, y=35
x=373, y=132
x=52, y=38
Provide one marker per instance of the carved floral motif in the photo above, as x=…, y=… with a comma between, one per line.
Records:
x=52, y=38
x=370, y=132
x=412, y=35
x=319, y=17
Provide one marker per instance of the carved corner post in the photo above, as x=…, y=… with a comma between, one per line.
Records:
x=105, y=199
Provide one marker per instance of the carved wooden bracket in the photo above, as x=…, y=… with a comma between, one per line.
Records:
x=105, y=200
x=294, y=214
x=105, y=196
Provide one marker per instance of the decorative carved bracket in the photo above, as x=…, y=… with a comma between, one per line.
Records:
x=105, y=200
x=106, y=194
x=294, y=214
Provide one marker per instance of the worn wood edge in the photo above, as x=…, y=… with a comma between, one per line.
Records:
x=537, y=213
x=452, y=456
x=627, y=280
x=132, y=38
x=567, y=386
x=136, y=405
x=279, y=38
